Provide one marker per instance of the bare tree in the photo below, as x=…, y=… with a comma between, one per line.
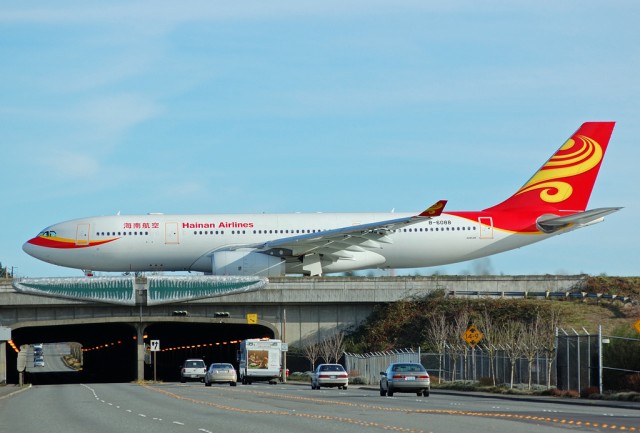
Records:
x=510, y=334
x=335, y=345
x=455, y=337
x=311, y=351
x=487, y=327
x=548, y=339
x=530, y=342
x=436, y=336
x=325, y=350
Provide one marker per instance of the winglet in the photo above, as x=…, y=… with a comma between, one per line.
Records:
x=434, y=210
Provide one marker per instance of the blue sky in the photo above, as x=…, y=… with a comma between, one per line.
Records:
x=289, y=106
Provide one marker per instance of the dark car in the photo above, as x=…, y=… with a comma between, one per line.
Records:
x=405, y=377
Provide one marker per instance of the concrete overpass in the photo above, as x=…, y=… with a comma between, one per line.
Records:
x=293, y=309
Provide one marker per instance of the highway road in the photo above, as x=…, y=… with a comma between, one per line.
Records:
x=52, y=354
x=282, y=408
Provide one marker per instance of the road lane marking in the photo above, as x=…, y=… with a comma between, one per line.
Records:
x=528, y=418
x=345, y=420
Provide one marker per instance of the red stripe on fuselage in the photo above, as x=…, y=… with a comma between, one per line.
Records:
x=516, y=222
x=64, y=243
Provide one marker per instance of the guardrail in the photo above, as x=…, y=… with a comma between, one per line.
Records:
x=540, y=294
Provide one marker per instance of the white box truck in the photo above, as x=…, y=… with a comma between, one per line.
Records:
x=259, y=360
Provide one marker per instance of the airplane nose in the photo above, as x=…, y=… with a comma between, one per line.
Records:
x=30, y=249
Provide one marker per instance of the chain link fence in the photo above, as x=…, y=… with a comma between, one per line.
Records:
x=455, y=364
x=367, y=367
x=575, y=363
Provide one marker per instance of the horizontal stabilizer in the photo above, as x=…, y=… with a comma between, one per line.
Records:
x=551, y=223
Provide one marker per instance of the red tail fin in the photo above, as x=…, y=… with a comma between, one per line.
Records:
x=566, y=180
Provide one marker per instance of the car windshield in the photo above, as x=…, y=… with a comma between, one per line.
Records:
x=408, y=368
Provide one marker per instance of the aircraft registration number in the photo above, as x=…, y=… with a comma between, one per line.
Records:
x=440, y=222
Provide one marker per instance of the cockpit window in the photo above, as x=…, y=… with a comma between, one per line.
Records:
x=48, y=234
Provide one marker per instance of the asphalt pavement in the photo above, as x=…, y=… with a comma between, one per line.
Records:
x=10, y=389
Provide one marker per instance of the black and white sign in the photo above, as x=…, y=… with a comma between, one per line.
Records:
x=155, y=345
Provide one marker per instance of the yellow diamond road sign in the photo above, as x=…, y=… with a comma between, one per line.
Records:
x=473, y=336
x=252, y=319
x=637, y=325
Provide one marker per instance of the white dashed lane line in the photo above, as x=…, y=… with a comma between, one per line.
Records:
x=141, y=415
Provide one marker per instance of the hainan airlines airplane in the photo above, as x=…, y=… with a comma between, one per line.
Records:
x=552, y=202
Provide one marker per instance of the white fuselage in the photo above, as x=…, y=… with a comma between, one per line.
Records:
x=158, y=242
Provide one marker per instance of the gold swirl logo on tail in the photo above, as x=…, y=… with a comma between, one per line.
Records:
x=435, y=208
x=578, y=155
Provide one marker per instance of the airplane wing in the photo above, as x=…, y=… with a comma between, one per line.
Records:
x=333, y=244
x=551, y=224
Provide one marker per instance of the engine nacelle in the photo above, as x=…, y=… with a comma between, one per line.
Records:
x=239, y=262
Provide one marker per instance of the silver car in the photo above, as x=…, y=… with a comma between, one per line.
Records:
x=405, y=377
x=329, y=375
x=219, y=372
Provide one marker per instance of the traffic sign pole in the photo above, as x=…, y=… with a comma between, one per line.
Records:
x=155, y=347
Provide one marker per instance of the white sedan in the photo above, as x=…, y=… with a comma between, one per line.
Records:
x=329, y=375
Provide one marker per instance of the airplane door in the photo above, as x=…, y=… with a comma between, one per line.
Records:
x=171, y=233
x=486, y=227
x=82, y=234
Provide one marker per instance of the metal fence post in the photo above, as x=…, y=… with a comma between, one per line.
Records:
x=600, y=359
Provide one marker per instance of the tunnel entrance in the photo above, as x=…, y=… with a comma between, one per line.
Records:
x=217, y=342
x=110, y=350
